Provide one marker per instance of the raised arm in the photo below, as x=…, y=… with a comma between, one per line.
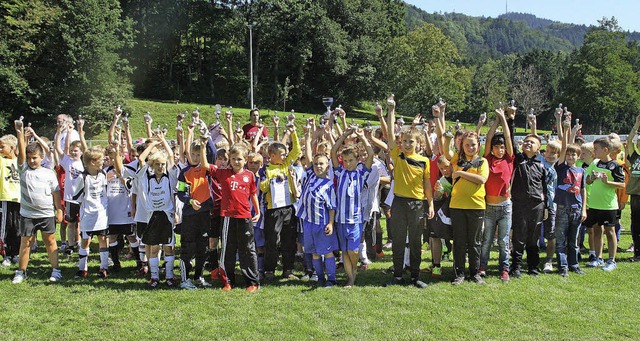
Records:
x=334, y=149
x=276, y=127
x=490, y=134
x=369, y=161
x=566, y=125
x=481, y=120
x=559, y=124
x=112, y=127
x=127, y=131
x=22, y=156
x=383, y=122
x=170, y=159
x=308, y=158
x=391, y=119
x=147, y=125
x=203, y=153
x=41, y=142
x=142, y=158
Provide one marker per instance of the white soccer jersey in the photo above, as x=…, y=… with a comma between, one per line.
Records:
x=157, y=194
x=92, y=197
x=119, y=198
x=371, y=193
x=72, y=173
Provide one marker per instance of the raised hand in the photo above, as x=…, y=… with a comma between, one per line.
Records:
x=391, y=102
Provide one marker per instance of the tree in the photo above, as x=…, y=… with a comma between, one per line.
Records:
x=603, y=81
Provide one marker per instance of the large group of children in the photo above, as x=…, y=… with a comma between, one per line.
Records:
x=236, y=195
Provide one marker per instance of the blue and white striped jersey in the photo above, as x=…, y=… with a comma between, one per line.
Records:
x=350, y=186
x=317, y=199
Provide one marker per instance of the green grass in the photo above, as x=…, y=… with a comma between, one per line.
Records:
x=598, y=306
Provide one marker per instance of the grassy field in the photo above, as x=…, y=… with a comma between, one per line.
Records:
x=595, y=306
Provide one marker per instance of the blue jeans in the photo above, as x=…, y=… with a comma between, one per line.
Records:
x=567, y=229
x=497, y=216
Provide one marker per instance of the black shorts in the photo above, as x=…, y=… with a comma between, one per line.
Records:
x=384, y=192
x=29, y=226
x=89, y=234
x=216, y=226
x=195, y=226
x=140, y=228
x=124, y=229
x=605, y=218
x=73, y=212
x=159, y=230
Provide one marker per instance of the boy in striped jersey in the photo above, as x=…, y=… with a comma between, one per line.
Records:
x=317, y=212
x=351, y=177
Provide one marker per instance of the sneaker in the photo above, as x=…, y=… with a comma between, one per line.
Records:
x=331, y=284
x=478, y=279
x=6, y=262
x=109, y=261
x=252, y=288
x=215, y=274
x=482, y=273
x=578, y=271
x=592, y=258
x=81, y=274
x=56, y=276
x=394, y=281
x=63, y=247
x=548, y=267
x=418, y=283
x=171, y=283
x=366, y=261
x=313, y=278
x=610, y=266
x=103, y=273
x=387, y=246
x=630, y=249
x=436, y=271
x=187, y=285
x=305, y=277
x=600, y=262
x=226, y=287
x=201, y=282
x=516, y=273
x=68, y=251
x=19, y=277
x=143, y=271
x=457, y=280
x=153, y=283
x=533, y=272
x=564, y=272
x=15, y=259
x=592, y=264
x=504, y=276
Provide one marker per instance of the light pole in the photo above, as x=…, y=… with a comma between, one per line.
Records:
x=250, y=25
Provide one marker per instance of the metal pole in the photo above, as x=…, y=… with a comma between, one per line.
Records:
x=251, y=62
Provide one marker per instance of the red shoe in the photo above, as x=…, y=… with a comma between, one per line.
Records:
x=171, y=283
x=227, y=287
x=380, y=254
x=103, y=273
x=215, y=274
x=251, y=288
x=504, y=276
x=81, y=274
x=153, y=283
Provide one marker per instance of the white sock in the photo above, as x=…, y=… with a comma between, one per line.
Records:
x=154, y=268
x=82, y=261
x=169, y=266
x=406, y=257
x=104, y=258
x=143, y=253
x=362, y=249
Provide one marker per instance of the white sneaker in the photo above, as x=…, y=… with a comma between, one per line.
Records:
x=201, y=282
x=19, y=277
x=188, y=285
x=56, y=276
x=548, y=267
x=365, y=261
x=6, y=262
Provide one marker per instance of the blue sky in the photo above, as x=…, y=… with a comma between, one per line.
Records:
x=585, y=12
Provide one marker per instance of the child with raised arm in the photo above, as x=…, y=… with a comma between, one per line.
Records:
x=9, y=200
x=350, y=177
x=499, y=154
x=633, y=187
x=606, y=176
x=40, y=194
x=571, y=209
x=412, y=199
x=238, y=189
x=279, y=231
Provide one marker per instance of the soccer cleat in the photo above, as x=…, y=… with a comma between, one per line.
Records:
x=81, y=274
x=394, y=281
x=171, y=283
x=313, y=278
x=418, y=283
x=252, y=288
x=548, y=267
x=56, y=276
x=227, y=287
x=103, y=273
x=366, y=261
x=610, y=266
x=63, y=247
x=478, y=279
x=19, y=277
x=201, y=282
x=153, y=283
x=516, y=273
x=533, y=272
x=436, y=271
x=215, y=274
x=68, y=251
x=458, y=280
x=578, y=271
x=592, y=264
x=564, y=272
x=504, y=276
x=6, y=261
x=387, y=246
x=482, y=273
x=187, y=285
x=600, y=262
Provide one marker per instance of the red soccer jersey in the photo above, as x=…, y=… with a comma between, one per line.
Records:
x=237, y=189
x=500, y=171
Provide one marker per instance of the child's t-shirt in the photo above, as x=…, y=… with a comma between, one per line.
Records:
x=408, y=173
x=119, y=198
x=9, y=180
x=193, y=184
x=349, y=193
x=633, y=186
x=371, y=193
x=500, y=172
x=91, y=194
x=571, y=181
x=156, y=194
x=237, y=189
x=37, y=187
x=467, y=194
x=73, y=170
x=317, y=199
x=602, y=196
